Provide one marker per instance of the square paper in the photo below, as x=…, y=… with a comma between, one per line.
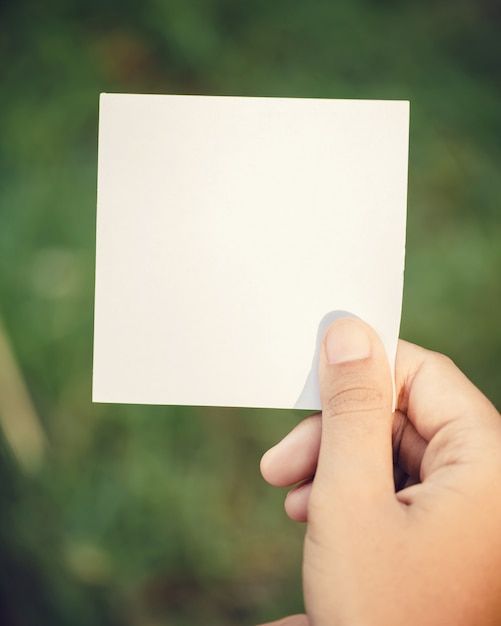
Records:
x=229, y=232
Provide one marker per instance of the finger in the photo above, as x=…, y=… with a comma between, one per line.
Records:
x=408, y=445
x=296, y=502
x=355, y=459
x=461, y=426
x=294, y=458
x=434, y=392
x=292, y=620
x=399, y=478
x=408, y=450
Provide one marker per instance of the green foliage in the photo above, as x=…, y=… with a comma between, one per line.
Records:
x=157, y=515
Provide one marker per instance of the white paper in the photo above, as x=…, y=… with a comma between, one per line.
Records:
x=228, y=228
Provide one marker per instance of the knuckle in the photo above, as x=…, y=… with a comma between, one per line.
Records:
x=443, y=360
x=356, y=396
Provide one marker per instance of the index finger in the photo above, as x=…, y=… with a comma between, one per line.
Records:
x=432, y=391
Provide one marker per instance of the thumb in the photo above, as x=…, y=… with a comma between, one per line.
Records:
x=355, y=460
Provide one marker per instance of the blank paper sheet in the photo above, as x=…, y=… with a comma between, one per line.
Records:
x=230, y=231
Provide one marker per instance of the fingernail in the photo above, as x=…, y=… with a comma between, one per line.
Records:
x=347, y=340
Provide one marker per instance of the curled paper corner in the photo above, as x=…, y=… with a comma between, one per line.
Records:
x=309, y=398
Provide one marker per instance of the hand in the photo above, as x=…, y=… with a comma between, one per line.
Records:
x=403, y=511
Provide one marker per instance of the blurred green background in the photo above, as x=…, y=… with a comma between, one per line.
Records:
x=148, y=516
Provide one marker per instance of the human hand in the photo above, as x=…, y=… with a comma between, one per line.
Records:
x=403, y=511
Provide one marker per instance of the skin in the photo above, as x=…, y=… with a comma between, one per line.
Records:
x=403, y=508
